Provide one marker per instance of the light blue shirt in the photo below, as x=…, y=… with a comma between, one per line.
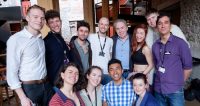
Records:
x=122, y=52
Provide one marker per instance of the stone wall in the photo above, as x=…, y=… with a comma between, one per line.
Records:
x=190, y=24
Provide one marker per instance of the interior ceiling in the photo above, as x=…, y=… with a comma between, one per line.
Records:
x=172, y=7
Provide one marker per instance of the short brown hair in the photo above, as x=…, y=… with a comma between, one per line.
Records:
x=151, y=11
x=83, y=24
x=36, y=7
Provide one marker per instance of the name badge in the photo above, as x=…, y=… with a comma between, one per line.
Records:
x=161, y=69
x=101, y=54
x=167, y=53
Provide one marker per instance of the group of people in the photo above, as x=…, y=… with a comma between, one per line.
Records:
x=94, y=69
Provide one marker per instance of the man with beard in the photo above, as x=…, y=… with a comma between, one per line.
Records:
x=80, y=50
x=101, y=46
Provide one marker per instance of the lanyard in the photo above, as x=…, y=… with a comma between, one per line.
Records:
x=90, y=98
x=103, y=44
x=162, y=54
x=66, y=60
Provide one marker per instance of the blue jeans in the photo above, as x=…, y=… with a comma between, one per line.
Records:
x=172, y=99
x=39, y=94
x=106, y=79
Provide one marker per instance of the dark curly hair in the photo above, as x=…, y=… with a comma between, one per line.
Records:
x=77, y=86
x=83, y=24
x=51, y=14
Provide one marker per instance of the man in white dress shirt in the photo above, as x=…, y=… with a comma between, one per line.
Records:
x=26, y=68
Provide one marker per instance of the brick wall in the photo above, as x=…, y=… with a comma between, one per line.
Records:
x=190, y=24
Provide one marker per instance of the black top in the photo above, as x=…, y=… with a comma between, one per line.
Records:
x=56, y=51
x=139, y=58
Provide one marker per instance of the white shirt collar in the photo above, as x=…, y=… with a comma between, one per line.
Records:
x=30, y=35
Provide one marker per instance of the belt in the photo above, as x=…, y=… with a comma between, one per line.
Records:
x=35, y=81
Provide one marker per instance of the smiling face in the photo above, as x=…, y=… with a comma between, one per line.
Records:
x=151, y=19
x=164, y=25
x=115, y=71
x=70, y=75
x=121, y=29
x=54, y=24
x=83, y=33
x=35, y=19
x=103, y=25
x=139, y=86
x=140, y=35
x=94, y=78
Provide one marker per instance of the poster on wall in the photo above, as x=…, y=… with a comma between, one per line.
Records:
x=10, y=3
x=70, y=12
x=73, y=9
x=26, y=4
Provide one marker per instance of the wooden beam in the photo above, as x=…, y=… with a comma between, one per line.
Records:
x=88, y=6
x=105, y=8
x=115, y=9
x=166, y=4
x=56, y=5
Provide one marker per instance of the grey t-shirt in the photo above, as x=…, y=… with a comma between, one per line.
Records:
x=83, y=52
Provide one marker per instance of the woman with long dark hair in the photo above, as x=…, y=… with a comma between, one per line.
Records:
x=91, y=92
x=67, y=92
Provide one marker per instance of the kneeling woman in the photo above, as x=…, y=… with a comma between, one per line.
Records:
x=67, y=95
x=140, y=85
x=91, y=92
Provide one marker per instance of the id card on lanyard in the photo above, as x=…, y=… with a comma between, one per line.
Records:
x=162, y=58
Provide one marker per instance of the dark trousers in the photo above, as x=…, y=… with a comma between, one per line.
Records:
x=39, y=94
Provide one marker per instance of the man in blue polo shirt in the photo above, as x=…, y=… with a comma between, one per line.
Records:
x=119, y=91
x=173, y=63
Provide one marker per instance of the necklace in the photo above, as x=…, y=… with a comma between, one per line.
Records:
x=90, y=98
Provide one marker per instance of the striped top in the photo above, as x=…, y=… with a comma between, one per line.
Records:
x=59, y=99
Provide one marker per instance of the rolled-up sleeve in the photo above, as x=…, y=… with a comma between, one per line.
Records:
x=13, y=63
x=186, y=56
